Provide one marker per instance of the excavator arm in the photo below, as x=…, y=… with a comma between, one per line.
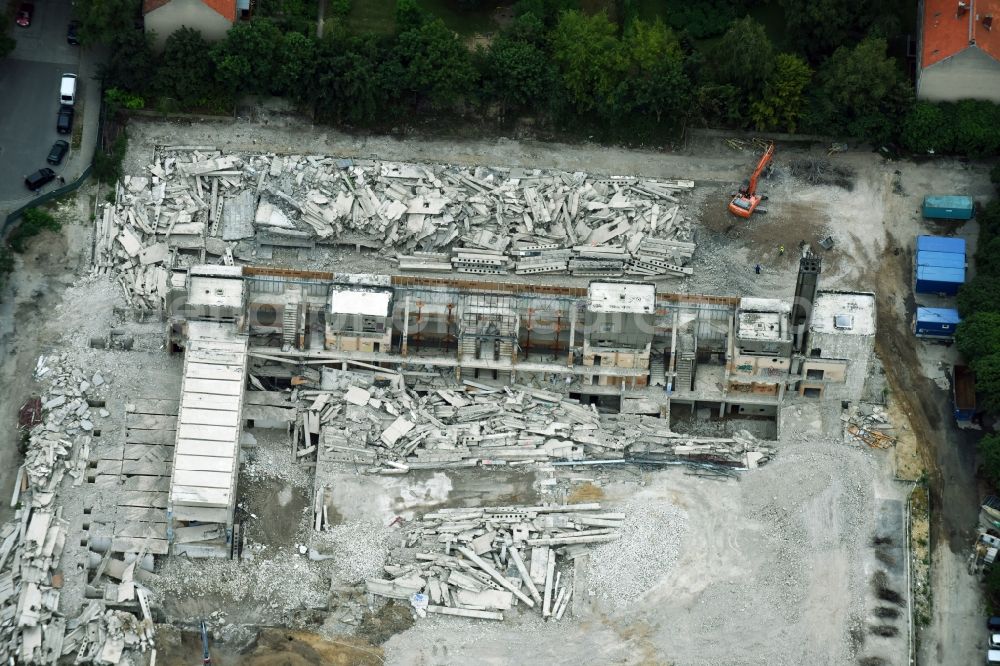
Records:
x=751, y=188
x=746, y=200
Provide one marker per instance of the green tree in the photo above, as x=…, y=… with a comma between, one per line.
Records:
x=989, y=453
x=437, y=67
x=988, y=381
x=927, y=129
x=590, y=59
x=102, y=21
x=818, y=27
x=185, y=73
x=784, y=95
x=295, y=65
x=989, y=218
x=980, y=294
x=33, y=222
x=978, y=336
x=546, y=11
x=246, y=60
x=862, y=92
x=656, y=81
x=988, y=256
x=991, y=470
x=131, y=64
x=977, y=128
x=744, y=57
x=516, y=74
x=410, y=15
x=350, y=82
x=718, y=104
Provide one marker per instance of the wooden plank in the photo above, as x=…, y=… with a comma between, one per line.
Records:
x=199, y=479
x=229, y=373
x=149, y=452
x=139, y=514
x=204, y=463
x=132, y=545
x=157, y=483
x=154, y=406
x=142, y=498
x=214, y=345
x=112, y=452
x=210, y=417
x=220, y=357
x=150, y=436
x=145, y=468
x=207, y=401
x=211, y=497
x=202, y=514
x=140, y=530
x=109, y=467
x=269, y=398
x=208, y=433
x=212, y=386
x=150, y=421
x=191, y=447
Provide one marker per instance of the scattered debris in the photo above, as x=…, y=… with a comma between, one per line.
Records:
x=496, y=557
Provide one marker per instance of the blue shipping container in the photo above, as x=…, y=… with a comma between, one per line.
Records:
x=936, y=322
x=941, y=259
x=948, y=207
x=937, y=280
x=941, y=244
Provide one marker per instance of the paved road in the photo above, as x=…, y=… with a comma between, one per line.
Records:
x=29, y=79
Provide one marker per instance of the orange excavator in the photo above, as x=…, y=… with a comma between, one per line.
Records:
x=746, y=200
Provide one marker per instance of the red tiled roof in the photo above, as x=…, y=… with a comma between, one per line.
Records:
x=947, y=31
x=226, y=8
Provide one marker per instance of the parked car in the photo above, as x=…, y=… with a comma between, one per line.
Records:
x=64, y=122
x=72, y=36
x=993, y=656
x=67, y=89
x=993, y=624
x=39, y=178
x=994, y=641
x=59, y=150
x=24, y=14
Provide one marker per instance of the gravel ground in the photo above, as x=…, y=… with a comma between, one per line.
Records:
x=622, y=571
x=358, y=550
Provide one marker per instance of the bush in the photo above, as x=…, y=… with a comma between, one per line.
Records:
x=989, y=452
x=108, y=166
x=927, y=129
x=978, y=336
x=992, y=583
x=33, y=222
x=980, y=294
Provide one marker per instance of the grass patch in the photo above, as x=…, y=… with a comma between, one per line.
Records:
x=33, y=222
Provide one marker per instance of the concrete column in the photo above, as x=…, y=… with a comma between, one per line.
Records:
x=572, y=334
x=403, y=343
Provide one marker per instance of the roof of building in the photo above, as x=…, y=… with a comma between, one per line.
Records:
x=950, y=26
x=762, y=326
x=942, y=259
x=215, y=291
x=940, y=315
x=631, y=297
x=225, y=8
x=360, y=301
x=941, y=244
x=750, y=304
x=940, y=274
x=843, y=313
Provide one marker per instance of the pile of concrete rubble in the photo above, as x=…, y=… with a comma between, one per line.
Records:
x=33, y=628
x=869, y=424
x=477, y=562
x=396, y=430
x=197, y=202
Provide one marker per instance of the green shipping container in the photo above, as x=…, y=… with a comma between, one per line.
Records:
x=948, y=207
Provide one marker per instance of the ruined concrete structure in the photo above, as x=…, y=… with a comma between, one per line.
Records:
x=618, y=345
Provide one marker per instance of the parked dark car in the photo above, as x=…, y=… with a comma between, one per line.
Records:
x=59, y=150
x=24, y=13
x=39, y=178
x=72, y=36
x=64, y=122
x=993, y=624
